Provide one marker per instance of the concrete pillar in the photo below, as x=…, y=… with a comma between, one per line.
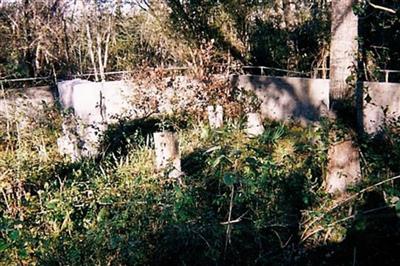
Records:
x=254, y=126
x=215, y=116
x=167, y=153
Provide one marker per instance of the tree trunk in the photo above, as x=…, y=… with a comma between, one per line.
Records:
x=90, y=50
x=107, y=41
x=343, y=51
x=29, y=55
x=100, y=56
x=343, y=162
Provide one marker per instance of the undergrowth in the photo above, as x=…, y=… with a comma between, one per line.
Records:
x=242, y=201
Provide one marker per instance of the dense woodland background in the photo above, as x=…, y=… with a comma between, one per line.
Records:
x=242, y=201
x=41, y=38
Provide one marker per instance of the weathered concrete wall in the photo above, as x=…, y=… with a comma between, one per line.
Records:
x=65, y=91
x=35, y=96
x=96, y=101
x=97, y=104
x=381, y=103
x=306, y=100
x=284, y=98
x=94, y=105
x=25, y=102
x=112, y=99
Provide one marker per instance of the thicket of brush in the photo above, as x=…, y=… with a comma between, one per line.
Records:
x=242, y=201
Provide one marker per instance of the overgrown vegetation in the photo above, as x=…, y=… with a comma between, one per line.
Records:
x=242, y=201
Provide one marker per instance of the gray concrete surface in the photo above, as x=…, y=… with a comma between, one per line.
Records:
x=96, y=101
x=306, y=100
x=27, y=100
x=282, y=98
x=285, y=98
x=94, y=105
x=381, y=104
x=254, y=126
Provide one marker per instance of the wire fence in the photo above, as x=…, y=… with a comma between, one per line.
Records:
x=54, y=79
x=388, y=75
x=253, y=70
x=263, y=70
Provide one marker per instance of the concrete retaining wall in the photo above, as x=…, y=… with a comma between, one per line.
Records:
x=306, y=100
x=283, y=98
x=96, y=101
x=97, y=104
x=381, y=103
x=94, y=105
x=34, y=97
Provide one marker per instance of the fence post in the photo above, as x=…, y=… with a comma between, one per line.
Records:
x=167, y=153
x=254, y=125
x=215, y=116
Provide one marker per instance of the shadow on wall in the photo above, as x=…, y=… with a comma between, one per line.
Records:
x=378, y=105
x=121, y=137
x=284, y=98
x=307, y=100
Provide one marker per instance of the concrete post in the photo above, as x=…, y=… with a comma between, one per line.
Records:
x=215, y=116
x=254, y=125
x=167, y=153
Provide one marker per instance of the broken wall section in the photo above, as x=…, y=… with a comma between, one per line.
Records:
x=95, y=105
x=92, y=105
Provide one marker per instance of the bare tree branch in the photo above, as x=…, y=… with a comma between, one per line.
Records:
x=381, y=7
